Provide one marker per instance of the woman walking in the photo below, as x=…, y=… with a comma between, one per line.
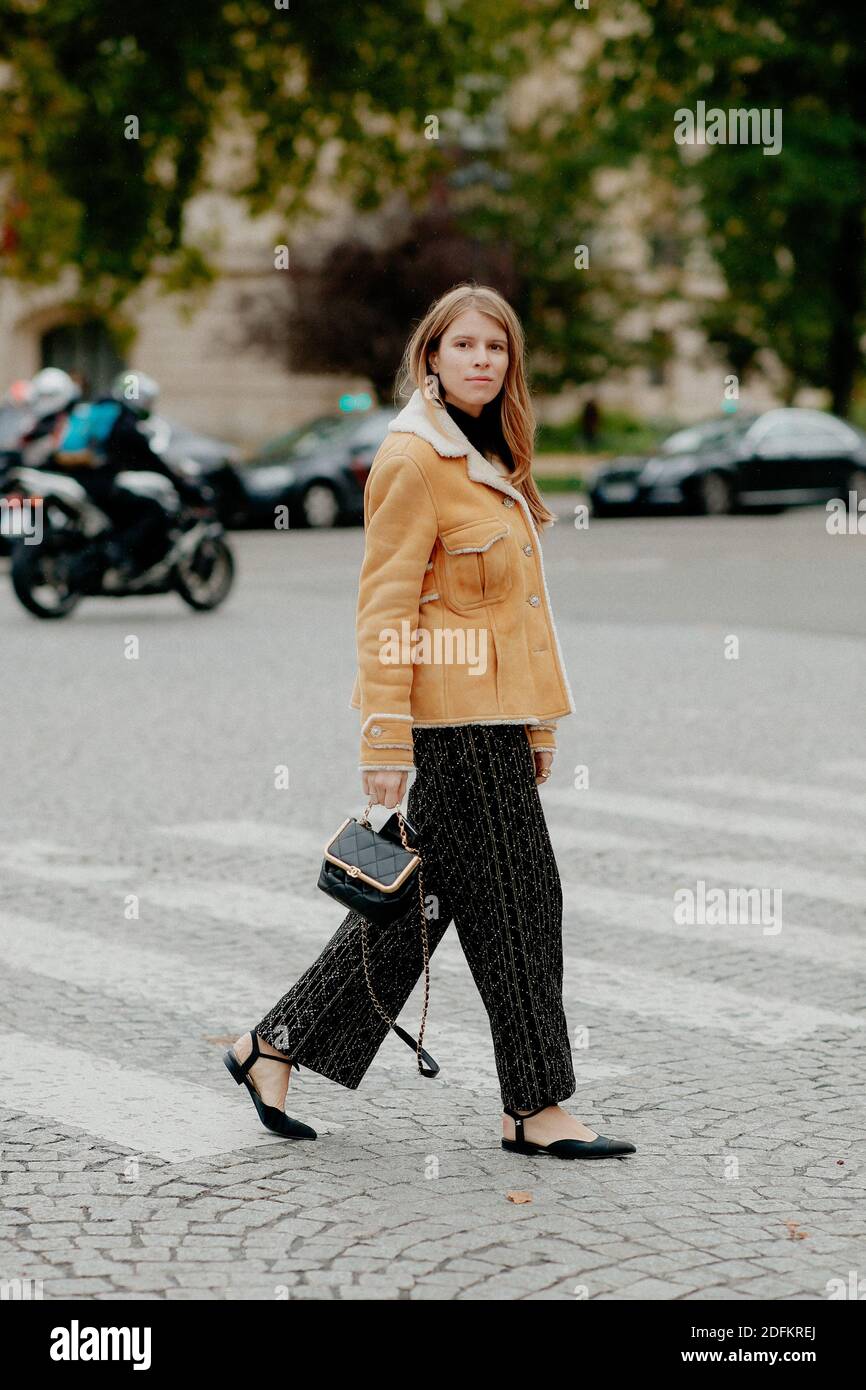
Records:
x=452, y=580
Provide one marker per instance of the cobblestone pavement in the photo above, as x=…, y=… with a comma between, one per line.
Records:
x=731, y=1054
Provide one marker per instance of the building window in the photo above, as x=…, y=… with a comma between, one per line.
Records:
x=85, y=350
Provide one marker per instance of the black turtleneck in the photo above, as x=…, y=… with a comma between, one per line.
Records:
x=484, y=430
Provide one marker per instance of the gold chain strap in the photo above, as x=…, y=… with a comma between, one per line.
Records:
x=425, y=946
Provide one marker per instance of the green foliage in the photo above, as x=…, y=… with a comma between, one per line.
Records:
x=786, y=230
x=619, y=433
x=555, y=482
x=79, y=191
x=354, y=86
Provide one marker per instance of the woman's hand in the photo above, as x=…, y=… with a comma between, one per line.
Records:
x=542, y=767
x=384, y=788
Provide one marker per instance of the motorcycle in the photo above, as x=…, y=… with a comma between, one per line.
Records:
x=60, y=545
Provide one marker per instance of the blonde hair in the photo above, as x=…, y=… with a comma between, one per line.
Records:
x=517, y=416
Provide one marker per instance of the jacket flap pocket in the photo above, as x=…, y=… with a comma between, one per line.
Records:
x=473, y=536
x=473, y=564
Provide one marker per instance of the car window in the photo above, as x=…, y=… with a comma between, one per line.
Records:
x=708, y=435
x=799, y=431
x=782, y=435
x=825, y=436
x=303, y=437
x=834, y=432
x=366, y=431
x=302, y=440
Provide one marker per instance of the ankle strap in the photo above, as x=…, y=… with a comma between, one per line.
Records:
x=518, y=1119
x=256, y=1055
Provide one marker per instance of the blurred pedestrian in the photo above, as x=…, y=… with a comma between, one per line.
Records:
x=590, y=421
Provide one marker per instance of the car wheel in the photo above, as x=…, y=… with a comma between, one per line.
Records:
x=715, y=495
x=320, y=506
x=857, y=487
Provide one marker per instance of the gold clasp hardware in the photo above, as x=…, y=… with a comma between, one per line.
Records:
x=353, y=871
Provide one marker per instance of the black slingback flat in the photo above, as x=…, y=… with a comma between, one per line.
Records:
x=599, y=1147
x=277, y=1121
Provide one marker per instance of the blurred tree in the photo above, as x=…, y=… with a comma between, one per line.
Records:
x=520, y=181
x=572, y=292
x=786, y=229
x=108, y=111
x=351, y=311
x=501, y=208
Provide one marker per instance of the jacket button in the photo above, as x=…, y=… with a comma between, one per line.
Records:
x=508, y=501
x=534, y=600
x=527, y=550
x=375, y=729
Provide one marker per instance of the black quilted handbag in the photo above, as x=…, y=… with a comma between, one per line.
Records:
x=376, y=874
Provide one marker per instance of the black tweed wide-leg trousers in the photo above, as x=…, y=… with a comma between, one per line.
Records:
x=490, y=866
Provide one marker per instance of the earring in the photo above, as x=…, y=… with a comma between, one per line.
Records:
x=431, y=388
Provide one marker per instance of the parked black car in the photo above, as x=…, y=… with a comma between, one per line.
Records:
x=318, y=471
x=781, y=458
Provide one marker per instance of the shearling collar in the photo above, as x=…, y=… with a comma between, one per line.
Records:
x=433, y=423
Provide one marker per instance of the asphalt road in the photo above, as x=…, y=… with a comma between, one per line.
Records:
x=731, y=1052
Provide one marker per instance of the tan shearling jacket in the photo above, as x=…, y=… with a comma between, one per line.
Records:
x=453, y=622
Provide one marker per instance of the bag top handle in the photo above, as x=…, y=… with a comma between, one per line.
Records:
x=364, y=817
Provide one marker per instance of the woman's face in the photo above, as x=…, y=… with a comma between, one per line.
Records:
x=471, y=360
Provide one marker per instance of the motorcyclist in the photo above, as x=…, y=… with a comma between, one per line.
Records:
x=105, y=438
x=52, y=395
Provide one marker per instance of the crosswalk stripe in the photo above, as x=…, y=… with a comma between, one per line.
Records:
x=50, y=863
x=248, y=906
x=590, y=837
x=242, y=904
x=690, y=1004
x=640, y=912
x=837, y=887
x=302, y=843
x=255, y=835
x=125, y=969
x=791, y=878
x=846, y=767
x=694, y=815
x=148, y=1112
x=835, y=799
